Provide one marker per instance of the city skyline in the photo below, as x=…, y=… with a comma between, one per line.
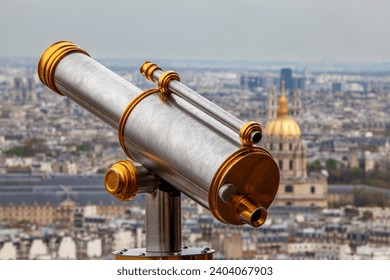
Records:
x=298, y=30
x=51, y=170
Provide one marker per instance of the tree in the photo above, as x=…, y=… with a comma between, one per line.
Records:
x=33, y=146
x=331, y=164
x=363, y=198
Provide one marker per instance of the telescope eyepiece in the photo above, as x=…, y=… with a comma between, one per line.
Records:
x=256, y=136
x=258, y=217
x=250, y=213
x=246, y=210
x=250, y=133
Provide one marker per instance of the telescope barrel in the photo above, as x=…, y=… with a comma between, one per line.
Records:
x=69, y=71
x=189, y=148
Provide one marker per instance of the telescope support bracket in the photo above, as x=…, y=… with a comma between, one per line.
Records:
x=163, y=230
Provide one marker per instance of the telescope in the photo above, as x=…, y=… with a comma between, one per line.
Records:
x=175, y=141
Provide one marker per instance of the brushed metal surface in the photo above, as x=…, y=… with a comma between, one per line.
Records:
x=163, y=222
x=186, y=140
x=177, y=141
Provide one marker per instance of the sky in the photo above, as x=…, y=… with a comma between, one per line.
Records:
x=244, y=30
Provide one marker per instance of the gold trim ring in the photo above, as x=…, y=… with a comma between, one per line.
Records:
x=165, y=79
x=50, y=59
x=126, y=113
x=246, y=132
x=147, y=69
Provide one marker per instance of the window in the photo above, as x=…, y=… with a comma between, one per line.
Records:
x=288, y=189
x=281, y=146
x=291, y=165
x=280, y=164
x=313, y=189
x=290, y=147
x=288, y=203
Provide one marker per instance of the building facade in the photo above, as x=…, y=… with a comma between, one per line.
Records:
x=48, y=201
x=282, y=138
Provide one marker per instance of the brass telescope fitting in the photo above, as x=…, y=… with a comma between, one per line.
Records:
x=246, y=211
x=120, y=180
x=250, y=133
x=147, y=69
x=124, y=180
x=51, y=57
x=249, y=212
x=126, y=114
x=235, y=199
x=165, y=79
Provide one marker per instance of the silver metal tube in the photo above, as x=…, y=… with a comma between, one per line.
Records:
x=94, y=87
x=163, y=221
x=146, y=182
x=157, y=134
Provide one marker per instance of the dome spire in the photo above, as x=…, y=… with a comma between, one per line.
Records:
x=283, y=103
x=283, y=125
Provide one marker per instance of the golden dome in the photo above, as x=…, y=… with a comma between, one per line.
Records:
x=283, y=125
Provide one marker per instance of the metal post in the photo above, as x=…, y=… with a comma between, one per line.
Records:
x=163, y=230
x=163, y=221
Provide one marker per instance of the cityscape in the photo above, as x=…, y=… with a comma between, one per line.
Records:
x=333, y=201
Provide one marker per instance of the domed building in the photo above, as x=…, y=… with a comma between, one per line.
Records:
x=282, y=137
